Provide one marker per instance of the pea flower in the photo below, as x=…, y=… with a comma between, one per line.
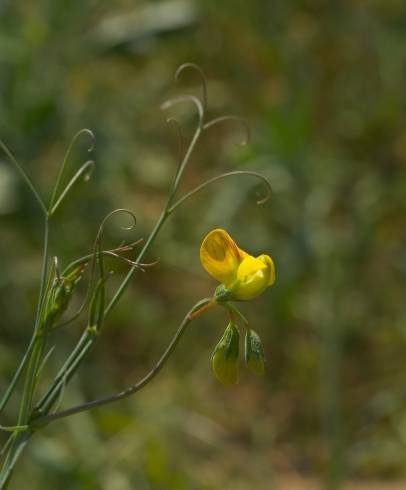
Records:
x=242, y=276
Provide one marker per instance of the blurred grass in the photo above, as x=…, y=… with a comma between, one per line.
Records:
x=322, y=86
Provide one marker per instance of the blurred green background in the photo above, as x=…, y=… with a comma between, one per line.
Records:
x=322, y=85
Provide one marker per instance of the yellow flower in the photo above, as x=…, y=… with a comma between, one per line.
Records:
x=243, y=275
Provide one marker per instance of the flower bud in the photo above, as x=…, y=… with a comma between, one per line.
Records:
x=225, y=357
x=254, y=353
x=60, y=295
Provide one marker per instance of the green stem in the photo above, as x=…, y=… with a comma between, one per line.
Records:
x=182, y=166
x=85, y=169
x=45, y=404
x=65, y=374
x=234, y=310
x=28, y=352
x=31, y=362
x=64, y=163
x=25, y=177
x=197, y=310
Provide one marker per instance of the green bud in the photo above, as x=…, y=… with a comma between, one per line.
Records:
x=60, y=295
x=225, y=357
x=254, y=353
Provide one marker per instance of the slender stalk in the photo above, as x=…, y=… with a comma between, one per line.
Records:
x=34, y=357
x=25, y=177
x=183, y=165
x=84, y=170
x=197, y=310
x=31, y=362
x=65, y=161
x=30, y=347
x=234, y=310
x=65, y=373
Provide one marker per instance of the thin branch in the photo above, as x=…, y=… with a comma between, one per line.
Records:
x=198, y=309
x=84, y=131
x=85, y=170
x=25, y=177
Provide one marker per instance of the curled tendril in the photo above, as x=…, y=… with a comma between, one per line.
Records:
x=97, y=256
x=202, y=76
x=231, y=117
x=89, y=133
x=186, y=98
x=223, y=176
x=181, y=141
x=85, y=260
x=61, y=172
x=84, y=171
x=97, y=249
x=113, y=213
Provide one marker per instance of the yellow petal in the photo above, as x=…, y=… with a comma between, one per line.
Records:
x=266, y=259
x=254, y=275
x=220, y=256
x=252, y=279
